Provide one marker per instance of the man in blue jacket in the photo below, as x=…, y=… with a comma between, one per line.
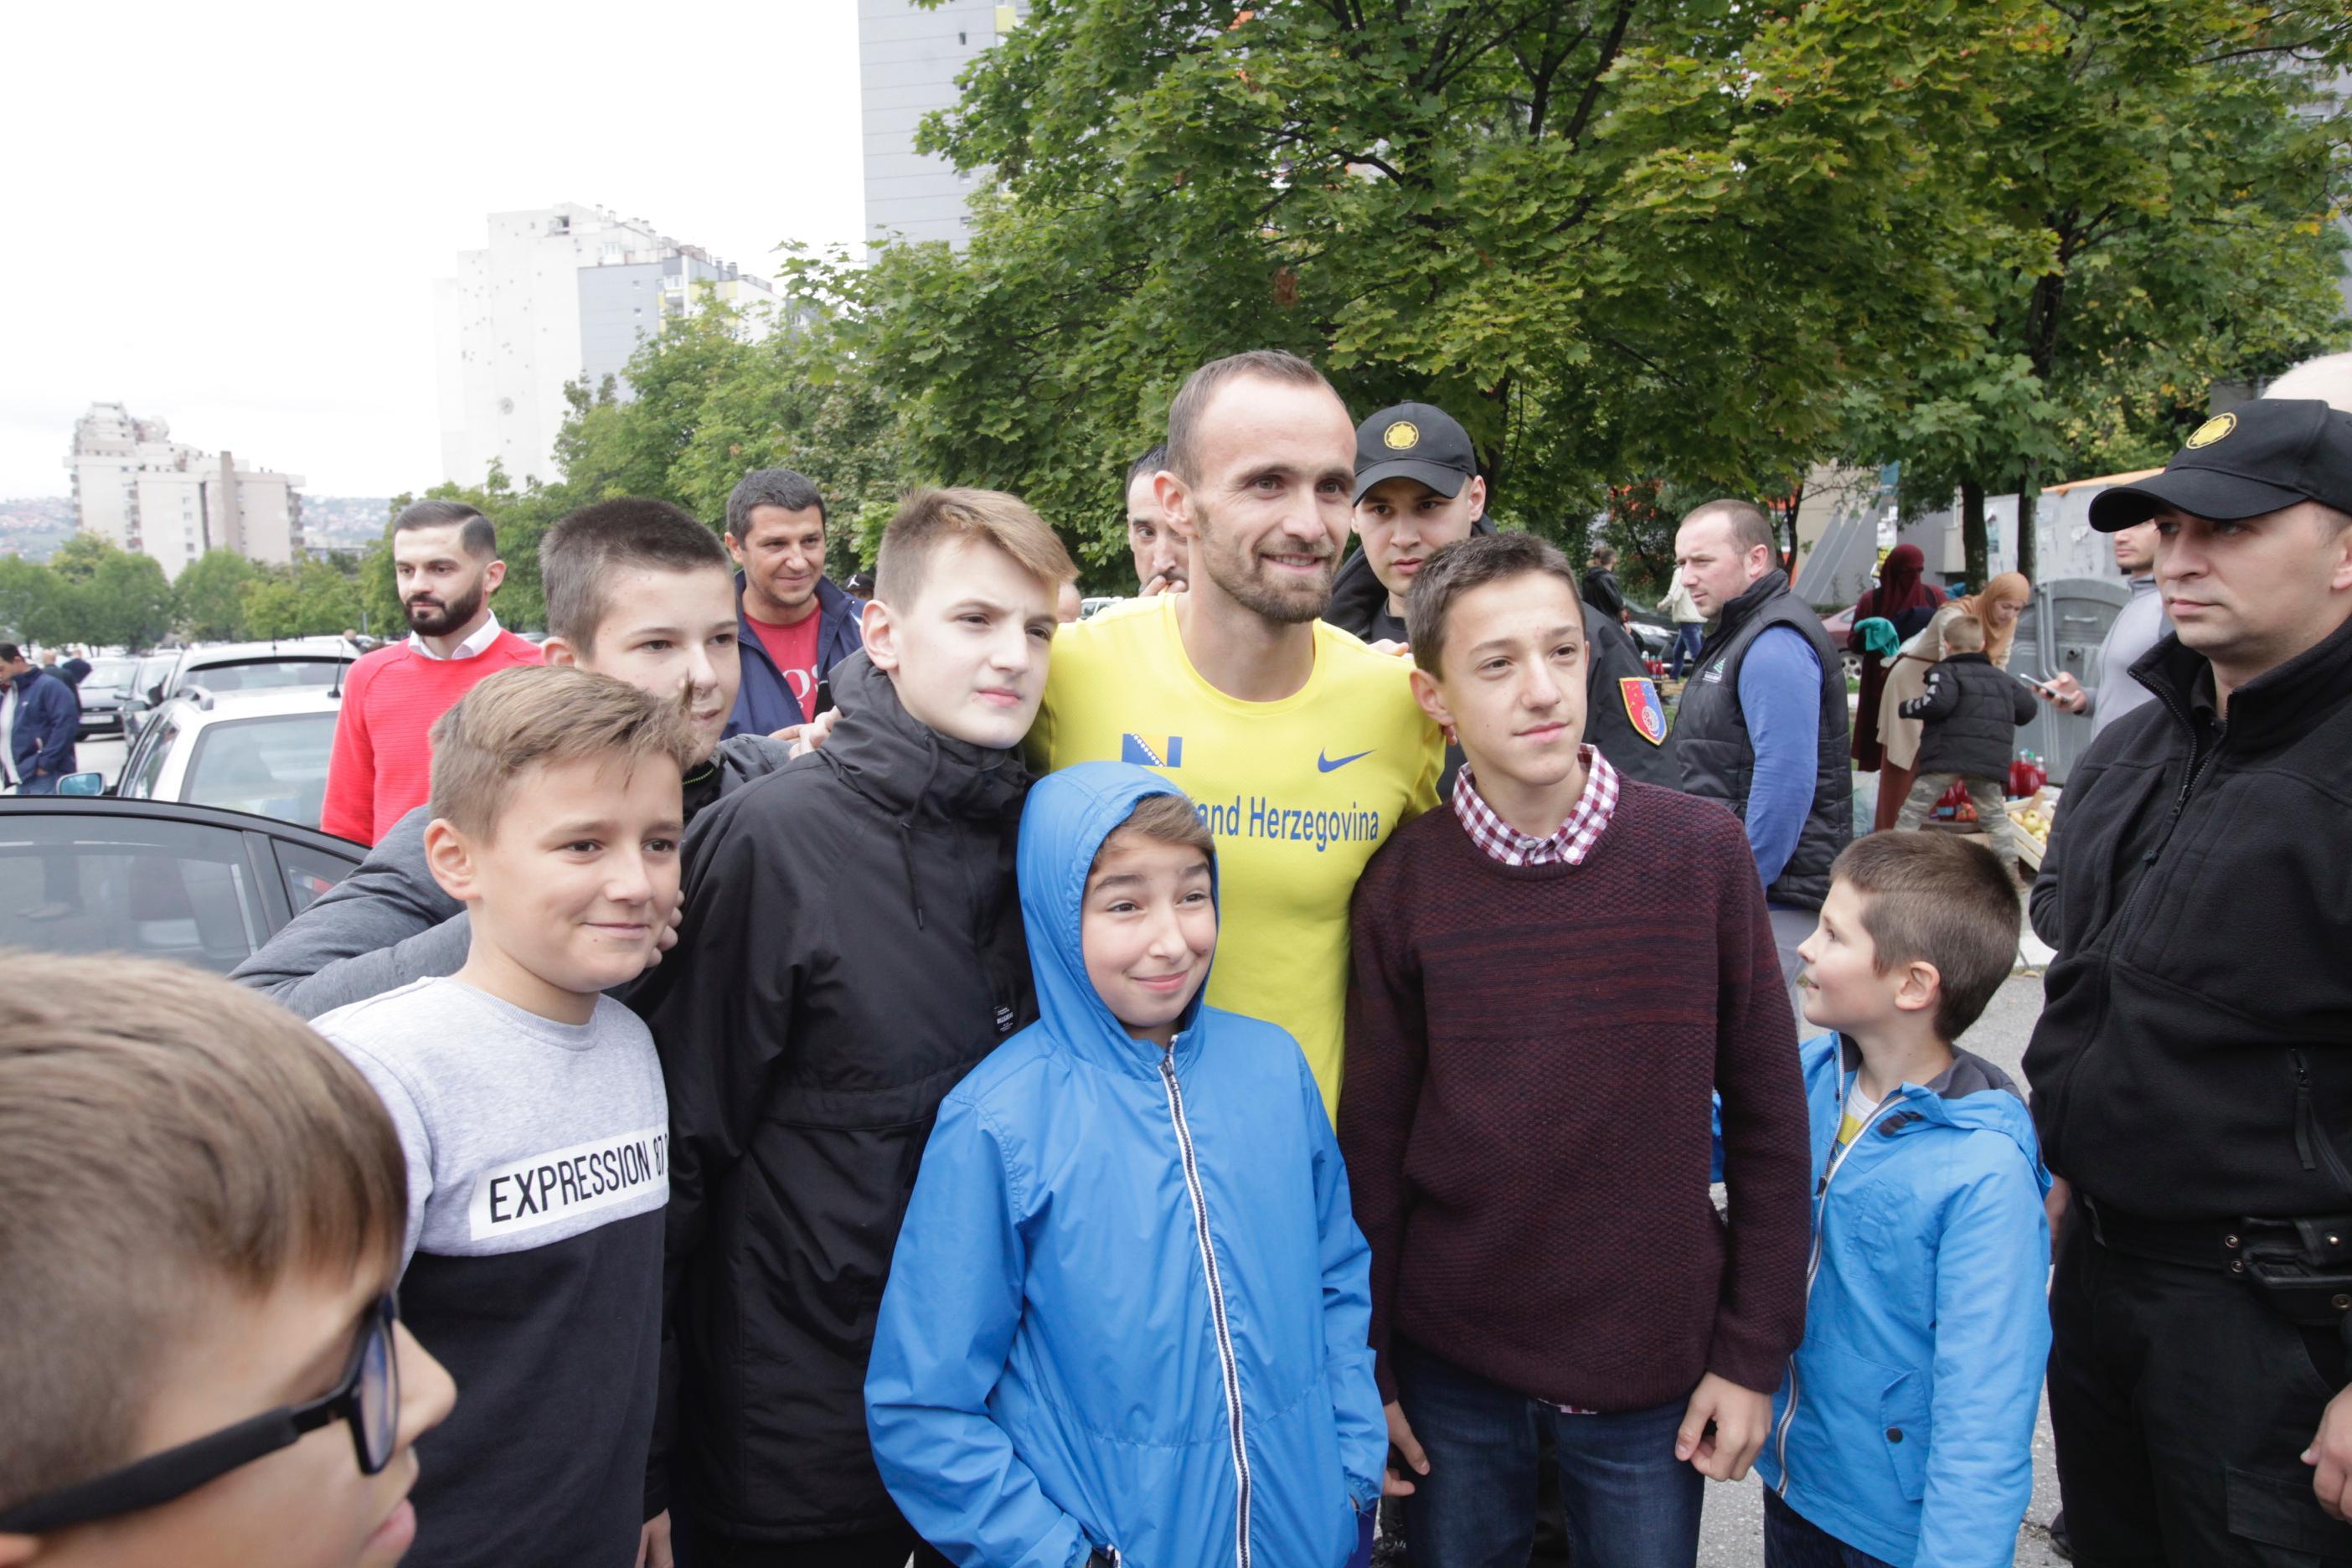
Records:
x=796, y=624
x=49, y=718
x=1127, y=1318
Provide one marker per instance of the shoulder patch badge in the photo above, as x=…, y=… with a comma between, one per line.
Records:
x=1642, y=709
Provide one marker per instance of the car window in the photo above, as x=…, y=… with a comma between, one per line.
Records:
x=275, y=766
x=115, y=882
x=109, y=672
x=264, y=675
x=146, y=763
x=309, y=872
x=155, y=671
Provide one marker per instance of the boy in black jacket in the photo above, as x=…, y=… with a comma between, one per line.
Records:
x=851, y=944
x=1971, y=709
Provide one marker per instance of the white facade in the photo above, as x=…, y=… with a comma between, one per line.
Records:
x=560, y=294
x=141, y=491
x=908, y=60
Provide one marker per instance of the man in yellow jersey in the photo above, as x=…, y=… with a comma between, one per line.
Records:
x=1303, y=748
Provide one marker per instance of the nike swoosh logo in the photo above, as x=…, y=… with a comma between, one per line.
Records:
x=1324, y=765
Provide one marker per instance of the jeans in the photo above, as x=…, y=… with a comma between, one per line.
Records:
x=1630, y=1502
x=1792, y=1541
x=1990, y=801
x=45, y=784
x=2180, y=1403
x=1688, y=635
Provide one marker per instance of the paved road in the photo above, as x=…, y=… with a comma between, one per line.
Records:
x=1733, y=1534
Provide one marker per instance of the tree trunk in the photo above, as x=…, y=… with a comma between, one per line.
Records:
x=1972, y=535
x=2028, y=529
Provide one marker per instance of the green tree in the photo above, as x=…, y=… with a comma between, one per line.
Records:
x=127, y=601
x=2167, y=181
x=1618, y=240
x=210, y=594
x=270, y=606
x=30, y=594
x=78, y=559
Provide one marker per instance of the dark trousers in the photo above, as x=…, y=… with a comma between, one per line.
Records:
x=1792, y=1541
x=1628, y=1503
x=1689, y=636
x=2181, y=1405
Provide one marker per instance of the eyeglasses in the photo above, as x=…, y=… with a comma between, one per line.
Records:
x=367, y=1395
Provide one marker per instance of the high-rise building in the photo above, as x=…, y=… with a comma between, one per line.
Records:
x=560, y=294
x=137, y=488
x=908, y=60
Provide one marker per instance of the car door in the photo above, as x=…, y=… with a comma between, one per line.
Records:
x=159, y=880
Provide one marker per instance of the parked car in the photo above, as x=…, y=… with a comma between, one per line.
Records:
x=261, y=752
x=145, y=693
x=103, y=692
x=244, y=667
x=162, y=879
x=1840, y=627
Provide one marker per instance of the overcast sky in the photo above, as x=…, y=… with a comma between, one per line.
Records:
x=230, y=215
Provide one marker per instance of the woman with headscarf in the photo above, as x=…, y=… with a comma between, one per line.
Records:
x=1909, y=602
x=1998, y=606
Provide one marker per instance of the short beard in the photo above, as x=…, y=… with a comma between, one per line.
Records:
x=442, y=621
x=1241, y=582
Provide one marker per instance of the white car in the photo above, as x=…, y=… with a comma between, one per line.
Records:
x=259, y=751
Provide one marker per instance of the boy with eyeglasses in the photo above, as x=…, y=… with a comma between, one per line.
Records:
x=532, y=1112
x=200, y=1223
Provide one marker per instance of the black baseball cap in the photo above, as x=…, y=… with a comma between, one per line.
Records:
x=2258, y=457
x=1415, y=441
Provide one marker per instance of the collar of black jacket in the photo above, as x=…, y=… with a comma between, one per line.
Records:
x=1770, y=585
x=906, y=767
x=2278, y=705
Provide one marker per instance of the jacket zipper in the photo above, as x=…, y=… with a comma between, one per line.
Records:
x=1225, y=1361
x=1813, y=1268
x=2308, y=1133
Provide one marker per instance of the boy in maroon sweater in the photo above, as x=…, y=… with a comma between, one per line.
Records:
x=1549, y=981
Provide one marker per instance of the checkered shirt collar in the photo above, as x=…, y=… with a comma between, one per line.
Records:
x=1567, y=845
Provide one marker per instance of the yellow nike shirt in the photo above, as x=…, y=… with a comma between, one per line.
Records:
x=1298, y=793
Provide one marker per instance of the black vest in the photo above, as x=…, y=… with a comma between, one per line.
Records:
x=1719, y=758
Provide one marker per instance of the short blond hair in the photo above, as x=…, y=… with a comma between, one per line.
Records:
x=929, y=520
x=538, y=715
x=167, y=1135
x=1964, y=634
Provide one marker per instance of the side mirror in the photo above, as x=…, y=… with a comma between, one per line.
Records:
x=82, y=783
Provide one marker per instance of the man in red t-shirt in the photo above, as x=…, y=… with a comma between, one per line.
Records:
x=796, y=624
x=445, y=558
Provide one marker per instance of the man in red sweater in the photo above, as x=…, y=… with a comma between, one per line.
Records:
x=445, y=556
x=1549, y=980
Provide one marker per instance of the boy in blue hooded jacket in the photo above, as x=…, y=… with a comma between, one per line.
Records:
x=1128, y=1309
x=1903, y=1431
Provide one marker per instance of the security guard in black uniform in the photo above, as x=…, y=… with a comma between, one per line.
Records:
x=2192, y=1068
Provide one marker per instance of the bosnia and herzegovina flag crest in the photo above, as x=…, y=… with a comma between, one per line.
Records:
x=1153, y=751
x=1647, y=714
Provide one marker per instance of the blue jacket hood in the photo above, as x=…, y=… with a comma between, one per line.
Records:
x=1972, y=1095
x=1062, y=825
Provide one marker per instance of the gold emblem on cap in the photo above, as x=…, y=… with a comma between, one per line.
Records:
x=2213, y=430
x=1402, y=434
